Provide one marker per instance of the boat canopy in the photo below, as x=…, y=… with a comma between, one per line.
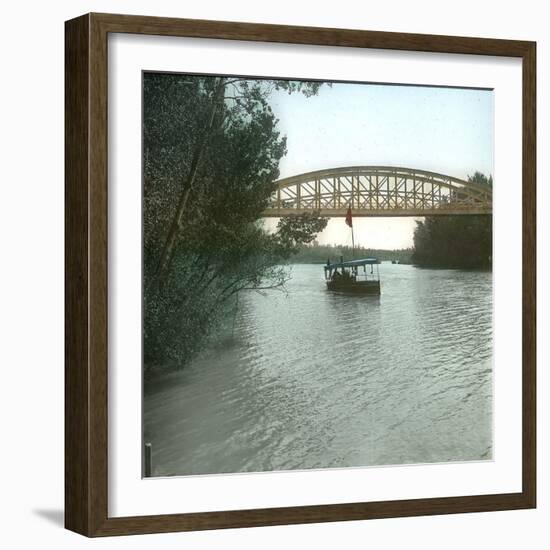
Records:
x=352, y=263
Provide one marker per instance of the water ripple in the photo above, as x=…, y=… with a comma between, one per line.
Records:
x=320, y=380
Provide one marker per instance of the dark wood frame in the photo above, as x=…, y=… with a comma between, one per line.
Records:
x=86, y=274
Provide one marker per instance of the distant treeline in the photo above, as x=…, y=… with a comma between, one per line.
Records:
x=319, y=254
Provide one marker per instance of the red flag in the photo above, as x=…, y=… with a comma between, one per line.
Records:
x=349, y=219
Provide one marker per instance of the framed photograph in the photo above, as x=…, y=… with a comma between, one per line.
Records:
x=300, y=275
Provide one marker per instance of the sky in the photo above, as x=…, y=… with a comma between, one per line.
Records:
x=445, y=130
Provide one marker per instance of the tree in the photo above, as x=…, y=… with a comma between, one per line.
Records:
x=230, y=102
x=211, y=155
x=455, y=241
x=481, y=179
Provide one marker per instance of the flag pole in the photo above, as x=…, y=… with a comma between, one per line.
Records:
x=351, y=218
x=349, y=222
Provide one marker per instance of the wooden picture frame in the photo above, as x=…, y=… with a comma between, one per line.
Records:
x=86, y=283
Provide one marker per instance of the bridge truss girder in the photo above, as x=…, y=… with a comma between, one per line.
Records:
x=378, y=191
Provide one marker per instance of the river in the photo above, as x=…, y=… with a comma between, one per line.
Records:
x=313, y=379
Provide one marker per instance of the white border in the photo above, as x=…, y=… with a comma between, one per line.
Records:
x=128, y=493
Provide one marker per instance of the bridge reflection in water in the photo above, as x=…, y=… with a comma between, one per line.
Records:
x=378, y=191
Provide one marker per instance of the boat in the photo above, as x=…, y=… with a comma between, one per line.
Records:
x=354, y=276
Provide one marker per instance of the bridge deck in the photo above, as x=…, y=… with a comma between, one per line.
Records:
x=359, y=213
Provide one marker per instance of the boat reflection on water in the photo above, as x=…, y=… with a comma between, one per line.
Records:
x=354, y=276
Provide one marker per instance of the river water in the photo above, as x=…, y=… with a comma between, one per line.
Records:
x=313, y=379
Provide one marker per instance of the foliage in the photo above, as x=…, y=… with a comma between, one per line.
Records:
x=211, y=155
x=297, y=230
x=481, y=179
x=455, y=241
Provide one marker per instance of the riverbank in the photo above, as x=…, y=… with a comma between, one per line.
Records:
x=319, y=254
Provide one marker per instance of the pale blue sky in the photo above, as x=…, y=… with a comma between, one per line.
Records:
x=446, y=130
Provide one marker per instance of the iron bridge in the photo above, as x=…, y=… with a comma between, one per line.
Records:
x=378, y=191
